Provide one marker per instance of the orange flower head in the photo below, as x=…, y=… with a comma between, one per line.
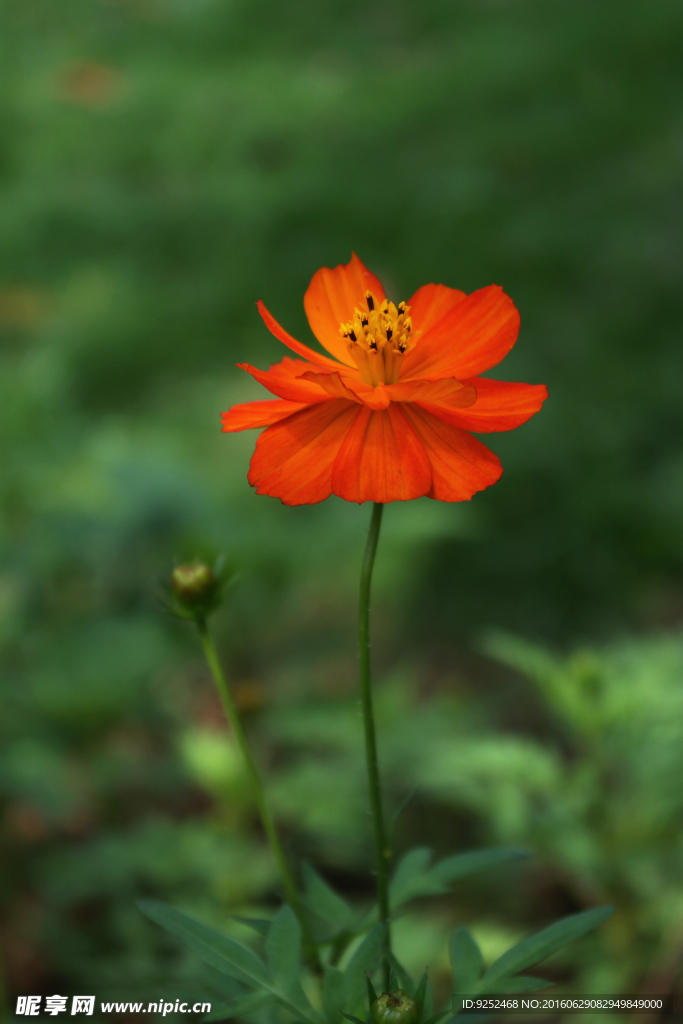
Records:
x=389, y=416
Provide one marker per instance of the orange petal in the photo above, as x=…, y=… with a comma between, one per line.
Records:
x=381, y=459
x=331, y=299
x=293, y=459
x=281, y=381
x=331, y=383
x=351, y=387
x=461, y=465
x=430, y=303
x=475, y=335
x=287, y=339
x=375, y=397
x=458, y=395
x=257, y=414
x=500, y=405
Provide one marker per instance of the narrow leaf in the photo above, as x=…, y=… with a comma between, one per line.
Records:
x=414, y=877
x=409, y=871
x=212, y=946
x=462, y=864
x=248, y=1004
x=523, y=983
x=363, y=960
x=226, y=955
x=421, y=992
x=372, y=995
x=334, y=995
x=283, y=945
x=349, y=1016
x=393, y=982
x=404, y=981
x=537, y=947
x=428, y=1008
x=283, y=952
x=325, y=902
x=467, y=962
x=259, y=924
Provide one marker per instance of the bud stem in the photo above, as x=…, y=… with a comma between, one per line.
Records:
x=257, y=791
x=379, y=831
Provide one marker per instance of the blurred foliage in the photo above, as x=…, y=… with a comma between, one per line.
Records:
x=165, y=163
x=591, y=783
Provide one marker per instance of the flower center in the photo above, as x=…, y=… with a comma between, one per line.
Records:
x=377, y=338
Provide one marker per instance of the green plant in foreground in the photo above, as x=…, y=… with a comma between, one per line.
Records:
x=320, y=955
x=280, y=978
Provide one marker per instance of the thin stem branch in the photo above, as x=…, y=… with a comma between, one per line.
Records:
x=262, y=805
x=382, y=851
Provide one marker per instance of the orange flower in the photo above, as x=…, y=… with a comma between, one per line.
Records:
x=387, y=418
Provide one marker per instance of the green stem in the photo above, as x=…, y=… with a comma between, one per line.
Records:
x=257, y=792
x=382, y=851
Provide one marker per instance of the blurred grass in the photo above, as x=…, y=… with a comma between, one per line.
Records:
x=165, y=163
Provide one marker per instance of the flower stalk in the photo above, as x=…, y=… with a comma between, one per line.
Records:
x=258, y=793
x=382, y=852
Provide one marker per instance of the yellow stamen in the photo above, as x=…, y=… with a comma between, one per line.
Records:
x=378, y=338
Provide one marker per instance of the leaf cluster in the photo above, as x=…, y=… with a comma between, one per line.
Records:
x=280, y=976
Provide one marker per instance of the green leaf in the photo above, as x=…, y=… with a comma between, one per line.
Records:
x=460, y=865
x=211, y=946
x=325, y=902
x=414, y=877
x=428, y=1008
x=401, y=978
x=259, y=924
x=227, y=956
x=537, y=947
x=467, y=963
x=372, y=995
x=421, y=992
x=349, y=1016
x=364, y=959
x=283, y=952
x=410, y=871
x=283, y=945
x=248, y=1004
x=523, y=983
x=334, y=993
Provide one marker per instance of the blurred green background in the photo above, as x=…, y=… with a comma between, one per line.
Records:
x=163, y=165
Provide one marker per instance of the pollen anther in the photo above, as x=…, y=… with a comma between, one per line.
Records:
x=378, y=338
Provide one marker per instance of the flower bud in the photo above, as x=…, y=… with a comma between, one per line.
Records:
x=196, y=590
x=193, y=583
x=397, y=1008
